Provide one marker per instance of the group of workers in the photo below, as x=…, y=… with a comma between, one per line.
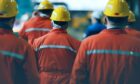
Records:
x=52, y=56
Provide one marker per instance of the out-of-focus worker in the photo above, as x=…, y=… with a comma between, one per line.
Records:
x=38, y=25
x=97, y=25
x=130, y=28
x=17, y=58
x=56, y=50
x=112, y=56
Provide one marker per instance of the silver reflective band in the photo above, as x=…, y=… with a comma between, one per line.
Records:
x=117, y=52
x=37, y=29
x=56, y=46
x=11, y=54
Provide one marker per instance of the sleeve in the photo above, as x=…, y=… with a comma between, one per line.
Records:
x=76, y=44
x=30, y=67
x=35, y=46
x=22, y=32
x=79, y=43
x=80, y=73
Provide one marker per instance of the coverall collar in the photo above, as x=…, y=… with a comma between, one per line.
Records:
x=114, y=31
x=58, y=30
x=4, y=31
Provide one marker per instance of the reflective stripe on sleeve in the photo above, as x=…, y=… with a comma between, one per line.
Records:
x=117, y=52
x=37, y=29
x=56, y=46
x=11, y=54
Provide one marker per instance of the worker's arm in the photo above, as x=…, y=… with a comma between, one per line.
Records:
x=79, y=72
x=22, y=33
x=35, y=47
x=30, y=67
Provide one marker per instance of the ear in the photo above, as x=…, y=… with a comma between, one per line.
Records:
x=36, y=13
x=105, y=20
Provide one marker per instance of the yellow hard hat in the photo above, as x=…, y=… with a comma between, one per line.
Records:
x=8, y=8
x=131, y=17
x=60, y=14
x=45, y=4
x=117, y=8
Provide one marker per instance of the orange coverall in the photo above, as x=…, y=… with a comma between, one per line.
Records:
x=17, y=60
x=111, y=57
x=34, y=28
x=56, y=53
x=133, y=32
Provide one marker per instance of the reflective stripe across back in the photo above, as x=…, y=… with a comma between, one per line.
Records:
x=57, y=46
x=117, y=52
x=12, y=54
x=37, y=29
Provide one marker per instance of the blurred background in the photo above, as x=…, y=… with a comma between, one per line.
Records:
x=80, y=12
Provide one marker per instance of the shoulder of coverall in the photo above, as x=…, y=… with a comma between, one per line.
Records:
x=133, y=32
x=24, y=27
x=19, y=44
x=113, y=31
x=92, y=40
x=104, y=33
x=35, y=20
x=29, y=23
x=37, y=42
x=3, y=31
x=31, y=20
x=63, y=31
x=72, y=41
x=58, y=30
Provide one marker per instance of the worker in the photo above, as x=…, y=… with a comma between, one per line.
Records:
x=38, y=25
x=112, y=56
x=130, y=28
x=97, y=25
x=56, y=50
x=17, y=58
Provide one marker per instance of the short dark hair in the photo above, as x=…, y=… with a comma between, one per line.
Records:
x=61, y=23
x=118, y=20
x=5, y=20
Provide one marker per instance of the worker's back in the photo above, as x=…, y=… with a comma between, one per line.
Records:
x=34, y=28
x=17, y=60
x=56, y=54
x=111, y=57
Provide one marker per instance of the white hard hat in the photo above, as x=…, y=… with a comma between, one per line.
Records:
x=97, y=14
